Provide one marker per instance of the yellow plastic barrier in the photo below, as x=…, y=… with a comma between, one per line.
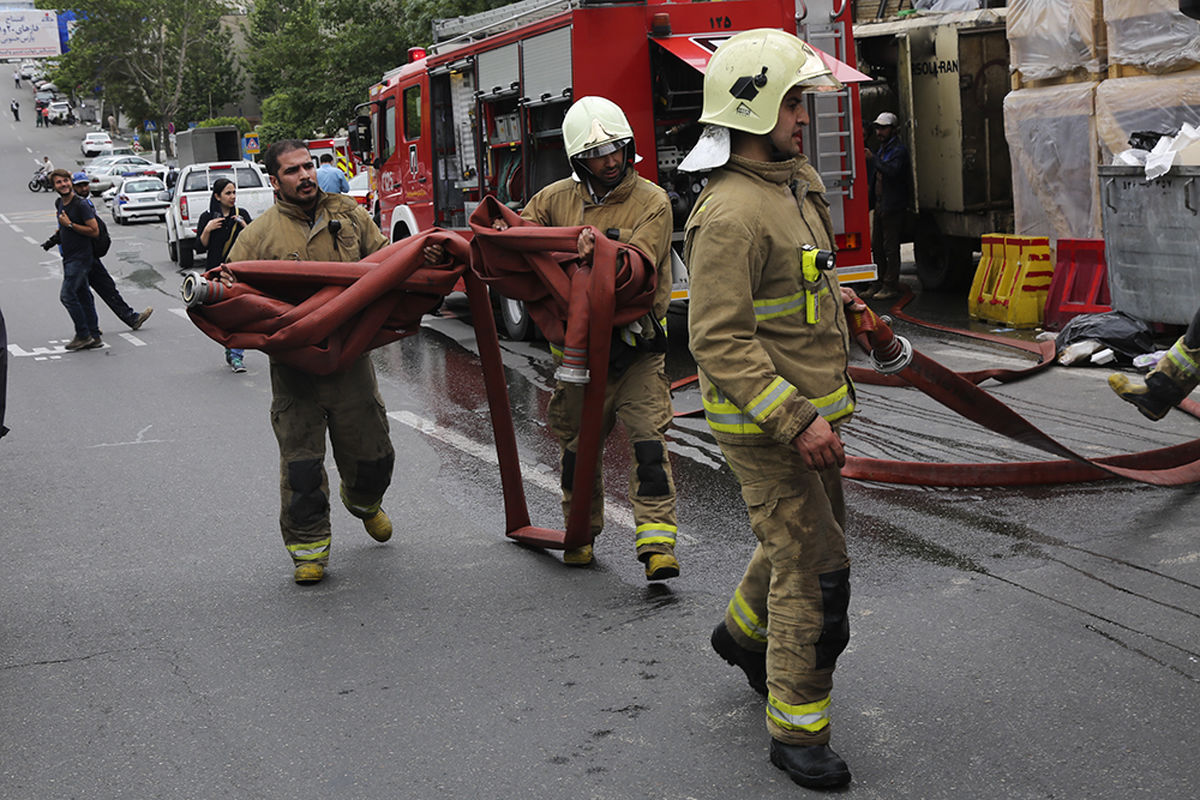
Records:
x=1012, y=280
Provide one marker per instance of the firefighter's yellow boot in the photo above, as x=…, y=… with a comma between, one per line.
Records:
x=379, y=526
x=661, y=566
x=308, y=572
x=578, y=556
x=1172, y=379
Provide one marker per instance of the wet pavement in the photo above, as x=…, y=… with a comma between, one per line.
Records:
x=1038, y=642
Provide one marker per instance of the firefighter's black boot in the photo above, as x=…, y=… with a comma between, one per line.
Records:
x=752, y=663
x=1154, y=398
x=812, y=766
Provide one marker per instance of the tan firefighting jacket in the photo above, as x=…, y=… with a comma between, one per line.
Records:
x=283, y=233
x=638, y=209
x=770, y=343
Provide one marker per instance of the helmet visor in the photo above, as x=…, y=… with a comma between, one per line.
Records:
x=601, y=150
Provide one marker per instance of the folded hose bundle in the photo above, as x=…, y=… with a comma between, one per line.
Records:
x=321, y=315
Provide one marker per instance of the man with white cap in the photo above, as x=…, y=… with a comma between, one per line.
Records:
x=771, y=341
x=890, y=169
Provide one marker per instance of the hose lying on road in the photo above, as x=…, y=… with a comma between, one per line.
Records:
x=958, y=391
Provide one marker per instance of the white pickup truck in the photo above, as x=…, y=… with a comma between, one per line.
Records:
x=192, y=192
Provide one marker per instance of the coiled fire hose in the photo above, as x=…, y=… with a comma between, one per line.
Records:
x=320, y=316
x=576, y=307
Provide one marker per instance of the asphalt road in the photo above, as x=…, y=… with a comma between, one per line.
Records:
x=1006, y=643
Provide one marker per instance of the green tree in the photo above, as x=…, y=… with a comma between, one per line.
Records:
x=151, y=56
x=314, y=60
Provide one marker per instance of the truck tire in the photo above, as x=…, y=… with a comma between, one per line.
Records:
x=944, y=263
x=185, y=254
x=512, y=318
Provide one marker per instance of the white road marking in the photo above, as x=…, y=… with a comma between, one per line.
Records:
x=31, y=240
x=139, y=440
x=530, y=473
x=133, y=340
x=180, y=312
x=16, y=229
x=4, y=219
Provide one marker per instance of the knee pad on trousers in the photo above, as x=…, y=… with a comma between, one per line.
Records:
x=568, y=470
x=308, y=504
x=372, y=478
x=651, y=475
x=835, y=624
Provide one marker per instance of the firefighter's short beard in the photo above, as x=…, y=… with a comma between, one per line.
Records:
x=595, y=180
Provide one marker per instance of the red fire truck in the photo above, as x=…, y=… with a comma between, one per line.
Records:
x=481, y=111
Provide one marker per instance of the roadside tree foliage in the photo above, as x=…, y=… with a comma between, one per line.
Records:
x=313, y=61
x=169, y=61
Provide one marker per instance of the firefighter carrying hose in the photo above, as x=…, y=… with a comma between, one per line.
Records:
x=605, y=191
x=1173, y=378
x=306, y=224
x=771, y=341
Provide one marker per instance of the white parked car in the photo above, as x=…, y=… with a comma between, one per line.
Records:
x=138, y=198
x=192, y=192
x=60, y=111
x=94, y=144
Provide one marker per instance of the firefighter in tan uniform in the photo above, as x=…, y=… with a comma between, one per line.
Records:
x=606, y=192
x=771, y=341
x=306, y=224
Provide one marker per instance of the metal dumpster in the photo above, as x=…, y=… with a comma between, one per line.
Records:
x=1152, y=242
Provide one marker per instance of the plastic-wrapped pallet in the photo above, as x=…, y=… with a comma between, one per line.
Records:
x=1159, y=103
x=1048, y=40
x=1051, y=137
x=1151, y=35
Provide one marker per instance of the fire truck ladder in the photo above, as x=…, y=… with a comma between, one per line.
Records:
x=836, y=152
x=456, y=30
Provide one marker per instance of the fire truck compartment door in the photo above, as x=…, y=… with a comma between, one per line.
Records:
x=695, y=51
x=546, y=63
x=498, y=70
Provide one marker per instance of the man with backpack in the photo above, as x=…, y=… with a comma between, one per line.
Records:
x=79, y=232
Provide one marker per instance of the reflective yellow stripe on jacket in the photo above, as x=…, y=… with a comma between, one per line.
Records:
x=724, y=416
x=774, y=307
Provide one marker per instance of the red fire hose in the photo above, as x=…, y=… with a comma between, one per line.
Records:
x=576, y=308
x=903, y=366
x=1171, y=466
x=320, y=316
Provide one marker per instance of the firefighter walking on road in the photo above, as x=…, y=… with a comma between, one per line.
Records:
x=605, y=191
x=771, y=342
x=307, y=224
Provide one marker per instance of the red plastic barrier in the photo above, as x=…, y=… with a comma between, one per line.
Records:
x=1080, y=284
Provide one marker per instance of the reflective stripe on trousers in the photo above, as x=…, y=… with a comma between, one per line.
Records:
x=810, y=717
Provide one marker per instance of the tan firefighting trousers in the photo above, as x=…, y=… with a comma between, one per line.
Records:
x=641, y=398
x=348, y=405
x=794, y=597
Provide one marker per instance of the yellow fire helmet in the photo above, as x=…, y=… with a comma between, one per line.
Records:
x=749, y=74
x=595, y=126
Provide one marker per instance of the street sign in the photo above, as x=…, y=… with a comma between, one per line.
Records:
x=149, y=125
x=250, y=143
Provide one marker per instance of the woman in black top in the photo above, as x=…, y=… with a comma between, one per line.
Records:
x=218, y=228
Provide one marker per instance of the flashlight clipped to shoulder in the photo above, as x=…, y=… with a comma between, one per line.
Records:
x=814, y=261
